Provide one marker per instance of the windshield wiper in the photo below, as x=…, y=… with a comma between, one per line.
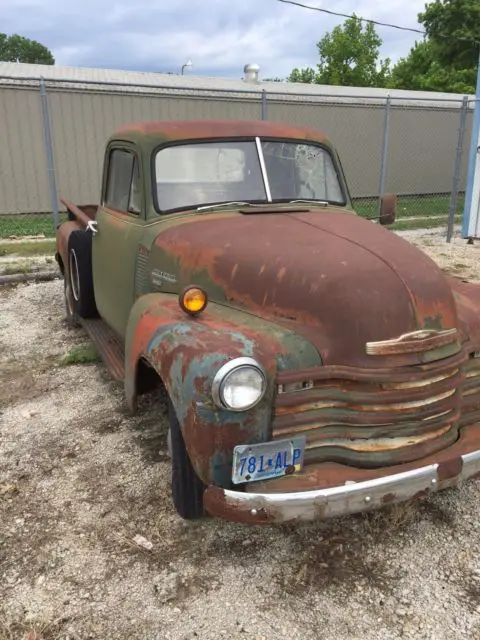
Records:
x=323, y=203
x=229, y=204
x=219, y=205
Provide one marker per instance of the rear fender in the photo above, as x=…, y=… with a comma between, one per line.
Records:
x=187, y=352
x=63, y=234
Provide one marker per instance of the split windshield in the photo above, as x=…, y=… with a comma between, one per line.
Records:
x=197, y=174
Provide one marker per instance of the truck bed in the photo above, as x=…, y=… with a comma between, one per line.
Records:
x=83, y=212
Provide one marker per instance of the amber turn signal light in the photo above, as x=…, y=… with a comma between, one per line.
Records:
x=193, y=300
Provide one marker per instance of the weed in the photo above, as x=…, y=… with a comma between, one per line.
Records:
x=84, y=354
x=16, y=267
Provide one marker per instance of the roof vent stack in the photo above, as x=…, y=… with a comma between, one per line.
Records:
x=251, y=73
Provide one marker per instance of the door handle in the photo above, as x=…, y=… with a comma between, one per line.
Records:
x=92, y=226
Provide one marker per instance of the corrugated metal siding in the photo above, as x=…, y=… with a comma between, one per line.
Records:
x=23, y=168
x=421, y=152
x=81, y=123
x=421, y=149
x=357, y=132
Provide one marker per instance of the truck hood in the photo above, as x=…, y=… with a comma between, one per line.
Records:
x=333, y=277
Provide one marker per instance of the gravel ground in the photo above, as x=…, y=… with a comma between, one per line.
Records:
x=80, y=479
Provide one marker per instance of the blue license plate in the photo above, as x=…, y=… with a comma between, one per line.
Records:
x=266, y=460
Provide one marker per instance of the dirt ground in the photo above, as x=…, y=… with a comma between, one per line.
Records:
x=80, y=479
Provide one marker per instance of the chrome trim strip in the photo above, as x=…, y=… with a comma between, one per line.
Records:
x=415, y=338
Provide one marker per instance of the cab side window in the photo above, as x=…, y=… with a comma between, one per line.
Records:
x=123, y=182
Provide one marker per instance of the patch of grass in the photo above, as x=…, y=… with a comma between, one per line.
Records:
x=422, y=223
x=27, y=248
x=28, y=225
x=16, y=267
x=84, y=354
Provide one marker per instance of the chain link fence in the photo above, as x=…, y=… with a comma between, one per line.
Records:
x=54, y=132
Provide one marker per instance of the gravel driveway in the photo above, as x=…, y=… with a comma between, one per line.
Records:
x=80, y=479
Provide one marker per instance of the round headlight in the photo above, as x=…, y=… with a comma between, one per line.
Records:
x=239, y=385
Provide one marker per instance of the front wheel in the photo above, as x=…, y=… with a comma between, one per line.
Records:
x=187, y=488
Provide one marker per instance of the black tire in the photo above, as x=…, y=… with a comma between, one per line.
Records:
x=80, y=276
x=187, y=488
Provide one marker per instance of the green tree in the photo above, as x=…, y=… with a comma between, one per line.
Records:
x=447, y=59
x=17, y=48
x=306, y=75
x=349, y=56
x=453, y=29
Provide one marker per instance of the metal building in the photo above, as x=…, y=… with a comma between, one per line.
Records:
x=406, y=143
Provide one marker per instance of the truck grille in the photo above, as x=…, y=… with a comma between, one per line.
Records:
x=471, y=391
x=378, y=417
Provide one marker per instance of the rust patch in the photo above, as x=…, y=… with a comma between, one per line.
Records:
x=421, y=495
x=63, y=234
x=82, y=216
x=187, y=352
x=450, y=468
x=397, y=289
x=388, y=497
x=216, y=504
x=200, y=129
x=417, y=342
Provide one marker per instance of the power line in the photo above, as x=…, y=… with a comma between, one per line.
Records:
x=346, y=15
x=376, y=22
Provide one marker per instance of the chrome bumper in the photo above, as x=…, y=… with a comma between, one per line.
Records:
x=269, y=508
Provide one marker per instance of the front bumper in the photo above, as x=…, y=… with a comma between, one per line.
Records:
x=271, y=508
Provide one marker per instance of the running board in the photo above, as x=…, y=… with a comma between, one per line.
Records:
x=108, y=345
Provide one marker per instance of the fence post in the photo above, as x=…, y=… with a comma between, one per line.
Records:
x=386, y=136
x=457, y=169
x=264, y=105
x=49, y=152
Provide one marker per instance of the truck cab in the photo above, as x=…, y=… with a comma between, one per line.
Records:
x=315, y=363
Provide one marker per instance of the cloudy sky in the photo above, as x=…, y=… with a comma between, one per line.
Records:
x=219, y=36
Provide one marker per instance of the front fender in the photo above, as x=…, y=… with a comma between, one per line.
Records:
x=187, y=352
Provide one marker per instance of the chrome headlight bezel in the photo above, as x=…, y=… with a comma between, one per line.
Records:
x=222, y=375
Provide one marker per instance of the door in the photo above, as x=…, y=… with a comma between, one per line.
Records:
x=120, y=227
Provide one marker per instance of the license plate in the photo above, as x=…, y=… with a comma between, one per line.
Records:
x=267, y=460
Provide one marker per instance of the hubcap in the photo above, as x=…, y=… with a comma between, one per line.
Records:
x=68, y=298
x=74, y=275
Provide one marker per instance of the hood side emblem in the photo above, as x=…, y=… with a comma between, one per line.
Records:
x=414, y=342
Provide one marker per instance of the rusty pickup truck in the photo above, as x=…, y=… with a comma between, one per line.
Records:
x=315, y=363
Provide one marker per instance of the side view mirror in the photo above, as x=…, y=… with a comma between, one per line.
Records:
x=388, y=209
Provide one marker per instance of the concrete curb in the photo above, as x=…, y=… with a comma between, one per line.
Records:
x=40, y=276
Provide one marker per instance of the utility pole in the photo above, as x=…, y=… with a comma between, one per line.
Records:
x=471, y=212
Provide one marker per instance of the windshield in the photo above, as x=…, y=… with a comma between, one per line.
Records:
x=203, y=173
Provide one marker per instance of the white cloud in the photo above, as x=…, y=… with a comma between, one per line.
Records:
x=218, y=35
